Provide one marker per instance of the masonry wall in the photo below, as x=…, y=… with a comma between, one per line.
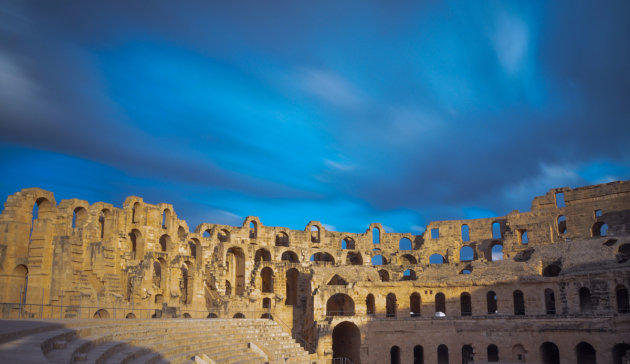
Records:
x=71, y=259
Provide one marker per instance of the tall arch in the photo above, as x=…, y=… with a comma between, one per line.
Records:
x=466, y=304
x=585, y=353
x=550, y=302
x=585, y=300
x=519, y=302
x=17, y=287
x=266, y=275
x=235, y=260
x=418, y=354
x=291, y=289
x=549, y=353
x=414, y=304
x=440, y=302
x=442, y=354
x=370, y=305
x=491, y=300
x=390, y=305
x=493, y=353
x=623, y=302
x=394, y=355
x=346, y=342
x=467, y=354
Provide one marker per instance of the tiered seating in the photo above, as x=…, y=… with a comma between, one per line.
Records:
x=149, y=341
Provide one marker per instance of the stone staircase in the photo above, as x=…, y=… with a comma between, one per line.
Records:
x=149, y=341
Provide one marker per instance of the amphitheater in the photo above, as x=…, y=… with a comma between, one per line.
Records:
x=96, y=283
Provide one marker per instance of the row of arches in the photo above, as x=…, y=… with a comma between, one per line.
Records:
x=335, y=308
x=548, y=353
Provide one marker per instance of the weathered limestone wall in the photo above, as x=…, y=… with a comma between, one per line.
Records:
x=75, y=258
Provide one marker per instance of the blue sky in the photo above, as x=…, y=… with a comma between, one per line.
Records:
x=343, y=112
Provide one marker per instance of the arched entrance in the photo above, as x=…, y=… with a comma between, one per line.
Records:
x=347, y=341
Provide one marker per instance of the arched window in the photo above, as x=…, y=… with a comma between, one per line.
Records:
x=266, y=275
x=228, y=288
x=404, y=244
x=322, y=258
x=465, y=233
x=620, y=353
x=549, y=353
x=253, y=230
x=491, y=299
x=369, y=303
x=291, y=287
x=18, y=285
x=467, y=354
x=391, y=305
x=414, y=304
x=376, y=236
x=181, y=233
x=442, y=352
x=466, y=254
x=523, y=237
x=207, y=234
x=104, y=218
x=394, y=354
x=493, y=353
x=623, y=303
x=340, y=304
x=384, y=275
x=165, y=241
x=409, y=275
x=315, y=234
x=599, y=229
x=466, y=304
x=496, y=230
x=436, y=259
x=418, y=354
x=282, y=239
x=192, y=248
x=562, y=225
x=79, y=217
x=519, y=303
x=262, y=255
x=585, y=353
x=290, y=256
x=550, y=302
x=440, y=303
x=354, y=259
x=585, y=300
x=183, y=287
x=224, y=236
x=378, y=260
x=166, y=218
x=497, y=252
x=135, y=213
x=157, y=274
x=266, y=303
x=348, y=243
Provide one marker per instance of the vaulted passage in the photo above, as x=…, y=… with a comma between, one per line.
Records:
x=346, y=342
x=549, y=353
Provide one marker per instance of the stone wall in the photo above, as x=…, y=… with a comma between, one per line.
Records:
x=73, y=258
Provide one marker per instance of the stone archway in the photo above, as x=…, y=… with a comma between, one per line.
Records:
x=346, y=339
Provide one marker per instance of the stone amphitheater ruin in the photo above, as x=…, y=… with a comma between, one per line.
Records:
x=97, y=283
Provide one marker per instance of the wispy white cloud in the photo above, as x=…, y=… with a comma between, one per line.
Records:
x=331, y=88
x=511, y=41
